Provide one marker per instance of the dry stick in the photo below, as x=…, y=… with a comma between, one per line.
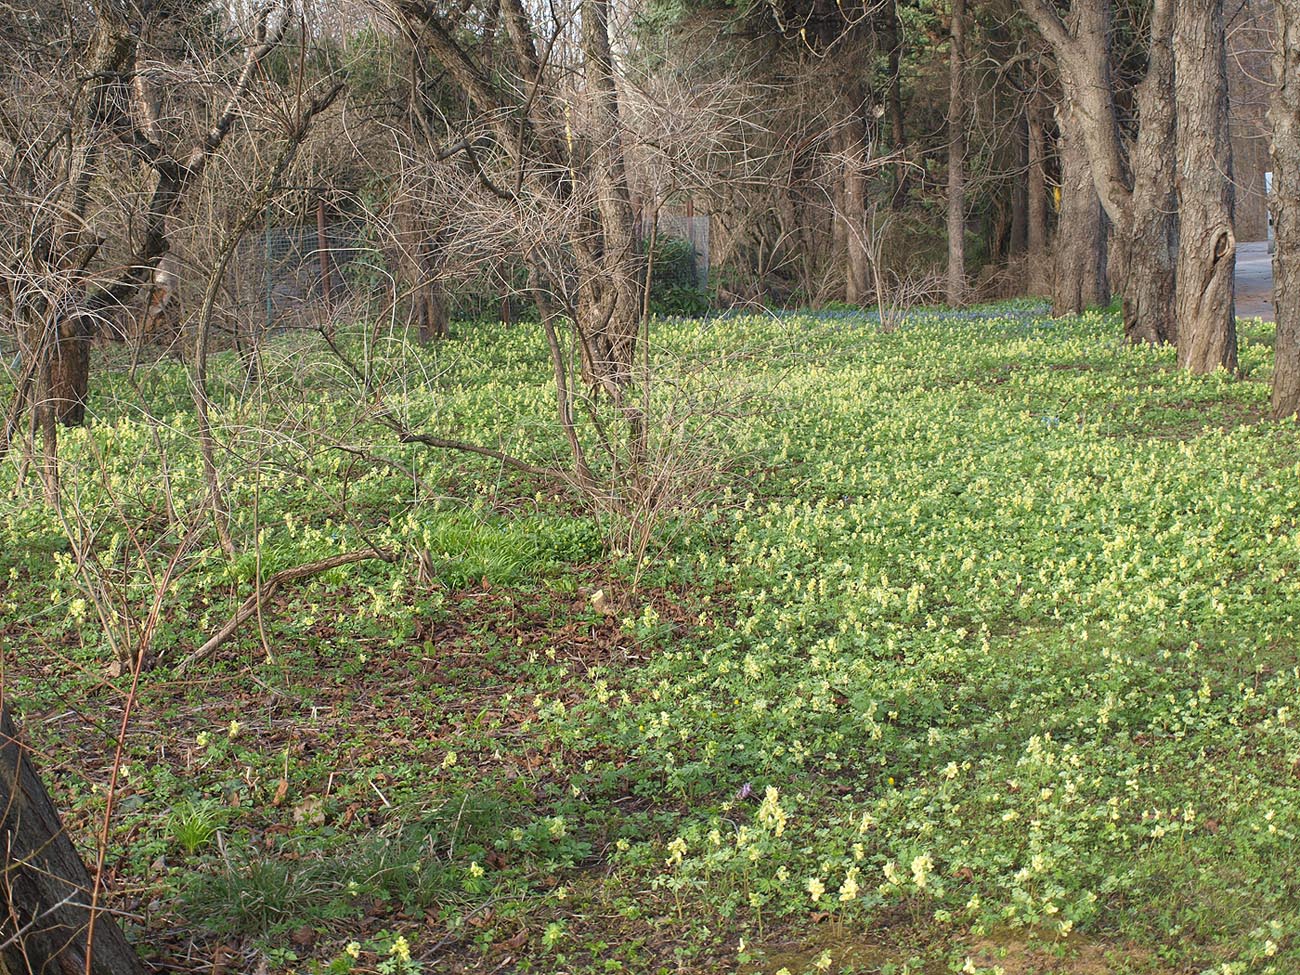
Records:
x=444, y=444
x=402, y=469
x=405, y=436
x=254, y=603
x=146, y=639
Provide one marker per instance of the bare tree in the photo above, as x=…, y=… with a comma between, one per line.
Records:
x=1285, y=118
x=1079, y=279
x=957, y=121
x=48, y=900
x=102, y=158
x=1133, y=182
x=1207, y=246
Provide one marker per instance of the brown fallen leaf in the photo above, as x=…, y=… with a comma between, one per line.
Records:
x=220, y=959
x=310, y=811
x=304, y=937
x=517, y=942
x=281, y=790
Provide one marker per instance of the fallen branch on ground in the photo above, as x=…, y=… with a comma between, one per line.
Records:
x=439, y=442
x=268, y=589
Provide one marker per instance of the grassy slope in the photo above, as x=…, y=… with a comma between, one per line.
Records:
x=992, y=639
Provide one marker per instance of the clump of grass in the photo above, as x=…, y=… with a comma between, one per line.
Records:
x=462, y=549
x=259, y=894
x=194, y=825
x=424, y=863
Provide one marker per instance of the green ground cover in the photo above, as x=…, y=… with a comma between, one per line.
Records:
x=984, y=656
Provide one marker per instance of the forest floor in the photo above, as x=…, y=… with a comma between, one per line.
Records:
x=981, y=658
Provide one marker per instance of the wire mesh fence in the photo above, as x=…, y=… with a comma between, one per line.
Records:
x=288, y=273
x=693, y=229
x=303, y=273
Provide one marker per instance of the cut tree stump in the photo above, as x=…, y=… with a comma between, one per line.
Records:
x=45, y=888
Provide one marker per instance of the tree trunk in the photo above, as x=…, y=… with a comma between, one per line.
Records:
x=1018, y=243
x=416, y=258
x=45, y=886
x=70, y=372
x=1149, y=252
x=1080, y=281
x=957, y=117
x=1134, y=186
x=1207, y=247
x=894, y=93
x=1285, y=118
x=609, y=307
x=1036, y=232
x=1149, y=234
x=857, y=279
x=431, y=312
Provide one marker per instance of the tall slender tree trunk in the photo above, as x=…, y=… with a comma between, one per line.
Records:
x=610, y=297
x=1080, y=272
x=1285, y=118
x=1148, y=237
x=857, y=279
x=893, y=38
x=1019, y=242
x=957, y=116
x=1207, y=247
x=1036, y=245
x=45, y=887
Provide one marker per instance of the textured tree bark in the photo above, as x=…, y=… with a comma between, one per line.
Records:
x=1149, y=234
x=1207, y=247
x=956, y=290
x=1080, y=272
x=1135, y=187
x=1284, y=115
x=69, y=373
x=1149, y=251
x=45, y=886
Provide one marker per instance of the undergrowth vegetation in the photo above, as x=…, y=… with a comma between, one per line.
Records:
x=988, y=642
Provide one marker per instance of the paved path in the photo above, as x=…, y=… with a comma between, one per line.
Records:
x=1254, y=288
